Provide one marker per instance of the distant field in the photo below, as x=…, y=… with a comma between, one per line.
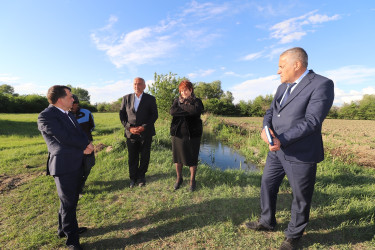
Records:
x=349, y=140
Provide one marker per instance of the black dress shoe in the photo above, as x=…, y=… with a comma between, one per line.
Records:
x=132, y=184
x=257, y=226
x=142, y=182
x=193, y=186
x=81, y=230
x=178, y=183
x=75, y=247
x=289, y=244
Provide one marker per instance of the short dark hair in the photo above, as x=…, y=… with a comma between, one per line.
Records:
x=76, y=100
x=55, y=92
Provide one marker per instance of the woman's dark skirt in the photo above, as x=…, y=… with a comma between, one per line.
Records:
x=185, y=150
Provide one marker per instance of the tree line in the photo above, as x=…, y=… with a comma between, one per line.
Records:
x=165, y=90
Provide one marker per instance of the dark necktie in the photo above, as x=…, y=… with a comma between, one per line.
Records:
x=70, y=119
x=287, y=93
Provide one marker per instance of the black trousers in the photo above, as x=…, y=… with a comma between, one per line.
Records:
x=301, y=177
x=139, y=157
x=68, y=187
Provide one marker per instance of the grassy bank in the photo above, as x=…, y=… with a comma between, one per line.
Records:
x=155, y=216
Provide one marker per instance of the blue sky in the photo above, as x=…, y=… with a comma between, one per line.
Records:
x=102, y=45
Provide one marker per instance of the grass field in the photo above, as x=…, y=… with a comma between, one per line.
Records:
x=342, y=214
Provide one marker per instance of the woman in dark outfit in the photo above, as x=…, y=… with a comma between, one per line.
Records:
x=186, y=132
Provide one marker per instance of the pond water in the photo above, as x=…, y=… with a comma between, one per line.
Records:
x=217, y=155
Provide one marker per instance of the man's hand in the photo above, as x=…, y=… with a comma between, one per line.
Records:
x=137, y=130
x=276, y=143
x=89, y=149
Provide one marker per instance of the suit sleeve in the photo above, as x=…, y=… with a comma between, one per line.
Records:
x=123, y=114
x=316, y=111
x=153, y=115
x=49, y=124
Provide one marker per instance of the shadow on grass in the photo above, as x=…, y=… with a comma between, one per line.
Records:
x=174, y=221
x=98, y=187
x=105, y=131
x=352, y=233
x=19, y=128
x=327, y=230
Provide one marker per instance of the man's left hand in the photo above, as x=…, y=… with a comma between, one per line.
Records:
x=276, y=145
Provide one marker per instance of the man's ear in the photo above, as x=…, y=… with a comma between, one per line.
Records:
x=297, y=65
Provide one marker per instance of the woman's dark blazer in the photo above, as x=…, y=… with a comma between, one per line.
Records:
x=188, y=113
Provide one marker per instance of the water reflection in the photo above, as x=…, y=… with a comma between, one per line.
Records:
x=217, y=155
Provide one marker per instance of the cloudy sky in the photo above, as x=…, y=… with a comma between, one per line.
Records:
x=102, y=45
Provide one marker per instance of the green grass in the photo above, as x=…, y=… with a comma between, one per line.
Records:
x=342, y=215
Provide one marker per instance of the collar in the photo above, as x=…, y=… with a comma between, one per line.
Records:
x=65, y=112
x=140, y=96
x=302, y=76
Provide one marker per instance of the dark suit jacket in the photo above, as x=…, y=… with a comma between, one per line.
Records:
x=65, y=141
x=145, y=116
x=298, y=123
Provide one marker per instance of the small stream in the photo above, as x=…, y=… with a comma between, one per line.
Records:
x=217, y=155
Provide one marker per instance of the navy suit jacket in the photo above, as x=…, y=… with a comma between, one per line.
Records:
x=65, y=141
x=298, y=123
x=146, y=115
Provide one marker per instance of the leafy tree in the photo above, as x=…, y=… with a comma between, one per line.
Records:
x=6, y=89
x=4, y=103
x=165, y=89
x=208, y=90
x=260, y=105
x=333, y=112
x=83, y=94
x=349, y=111
x=243, y=108
x=366, y=109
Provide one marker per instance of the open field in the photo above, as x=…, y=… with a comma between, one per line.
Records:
x=351, y=141
x=342, y=214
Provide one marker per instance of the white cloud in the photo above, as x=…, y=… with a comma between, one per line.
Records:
x=293, y=29
x=201, y=73
x=250, y=89
x=205, y=11
x=253, y=56
x=352, y=74
x=110, y=92
x=7, y=79
x=342, y=96
x=30, y=88
x=152, y=43
x=231, y=73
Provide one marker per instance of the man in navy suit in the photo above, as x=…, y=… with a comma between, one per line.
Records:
x=138, y=114
x=67, y=143
x=295, y=118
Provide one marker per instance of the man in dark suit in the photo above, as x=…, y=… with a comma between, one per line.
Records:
x=138, y=114
x=295, y=119
x=67, y=143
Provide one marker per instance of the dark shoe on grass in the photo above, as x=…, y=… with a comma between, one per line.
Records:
x=142, y=182
x=257, y=226
x=193, y=186
x=178, y=183
x=132, y=184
